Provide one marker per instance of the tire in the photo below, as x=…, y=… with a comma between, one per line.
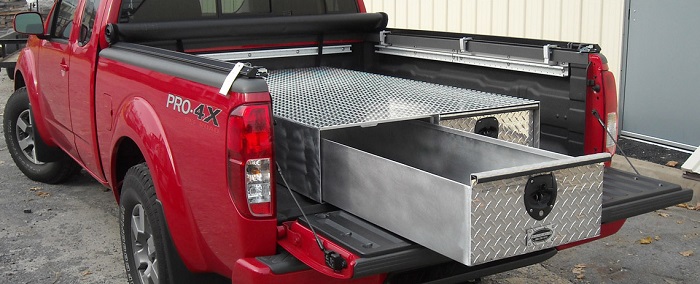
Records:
x=140, y=227
x=10, y=73
x=158, y=259
x=19, y=136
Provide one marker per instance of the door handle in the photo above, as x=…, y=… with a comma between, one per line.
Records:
x=64, y=66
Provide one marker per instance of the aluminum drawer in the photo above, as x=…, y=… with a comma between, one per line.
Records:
x=460, y=194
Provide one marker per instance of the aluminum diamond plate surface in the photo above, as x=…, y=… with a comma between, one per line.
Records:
x=517, y=126
x=327, y=98
x=499, y=223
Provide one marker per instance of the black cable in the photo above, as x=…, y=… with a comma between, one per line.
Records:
x=318, y=241
x=597, y=116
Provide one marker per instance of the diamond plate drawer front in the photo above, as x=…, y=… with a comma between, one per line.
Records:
x=500, y=224
x=516, y=126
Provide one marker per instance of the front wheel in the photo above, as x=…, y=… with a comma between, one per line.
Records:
x=21, y=143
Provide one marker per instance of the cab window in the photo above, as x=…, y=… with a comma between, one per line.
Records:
x=88, y=21
x=63, y=22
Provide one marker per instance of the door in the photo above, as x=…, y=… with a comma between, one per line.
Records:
x=81, y=87
x=659, y=97
x=54, y=71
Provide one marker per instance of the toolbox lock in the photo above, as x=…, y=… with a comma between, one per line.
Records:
x=540, y=195
x=487, y=126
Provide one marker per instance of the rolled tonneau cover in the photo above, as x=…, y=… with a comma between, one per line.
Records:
x=288, y=25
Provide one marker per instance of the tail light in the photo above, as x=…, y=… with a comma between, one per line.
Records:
x=250, y=160
x=610, y=93
x=601, y=96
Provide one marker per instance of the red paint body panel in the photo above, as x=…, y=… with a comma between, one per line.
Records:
x=54, y=93
x=81, y=85
x=187, y=158
x=603, y=101
x=300, y=242
x=27, y=67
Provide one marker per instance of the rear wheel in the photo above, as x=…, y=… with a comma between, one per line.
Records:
x=149, y=253
x=21, y=143
x=141, y=233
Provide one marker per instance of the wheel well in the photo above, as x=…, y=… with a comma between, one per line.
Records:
x=19, y=80
x=128, y=155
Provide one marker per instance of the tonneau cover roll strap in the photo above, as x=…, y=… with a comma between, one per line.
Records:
x=315, y=24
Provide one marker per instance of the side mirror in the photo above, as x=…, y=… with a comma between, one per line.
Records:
x=29, y=23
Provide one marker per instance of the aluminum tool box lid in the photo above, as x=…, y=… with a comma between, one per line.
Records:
x=328, y=98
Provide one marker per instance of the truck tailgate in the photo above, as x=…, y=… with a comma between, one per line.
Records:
x=626, y=195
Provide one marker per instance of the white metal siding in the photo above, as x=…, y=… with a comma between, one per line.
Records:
x=693, y=163
x=592, y=21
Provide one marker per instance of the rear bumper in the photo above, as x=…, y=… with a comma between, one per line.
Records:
x=252, y=270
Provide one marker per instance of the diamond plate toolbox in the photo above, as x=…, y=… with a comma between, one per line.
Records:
x=421, y=161
x=309, y=102
x=471, y=198
x=517, y=126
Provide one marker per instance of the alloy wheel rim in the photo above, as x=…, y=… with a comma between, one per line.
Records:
x=25, y=136
x=143, y=246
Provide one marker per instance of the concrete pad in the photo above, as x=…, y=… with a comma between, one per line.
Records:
x=660, y=172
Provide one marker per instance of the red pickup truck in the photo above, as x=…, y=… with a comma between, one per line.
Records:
x=339, y=161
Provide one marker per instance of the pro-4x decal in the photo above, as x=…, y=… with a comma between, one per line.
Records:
x=205, y=113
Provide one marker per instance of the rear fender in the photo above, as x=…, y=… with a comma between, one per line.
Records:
x=137, y=120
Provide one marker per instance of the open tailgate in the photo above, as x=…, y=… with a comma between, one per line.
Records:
x=627, y=194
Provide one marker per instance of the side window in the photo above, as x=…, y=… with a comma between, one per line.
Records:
x=341, y=6
x=208, y=8
x=147, y=11
x=63, y=22
x=88, y=22
x=232, y=6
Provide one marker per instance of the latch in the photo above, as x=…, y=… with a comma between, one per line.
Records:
x=463, y=42
x=540, y=195
x=586, y=48
x=382, y=37
x=548, y=53
x=487, y=126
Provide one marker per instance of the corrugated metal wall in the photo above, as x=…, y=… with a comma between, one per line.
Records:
x=591, y=21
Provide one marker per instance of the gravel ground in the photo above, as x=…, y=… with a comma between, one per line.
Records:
x=71, y=236
x=652, y=153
